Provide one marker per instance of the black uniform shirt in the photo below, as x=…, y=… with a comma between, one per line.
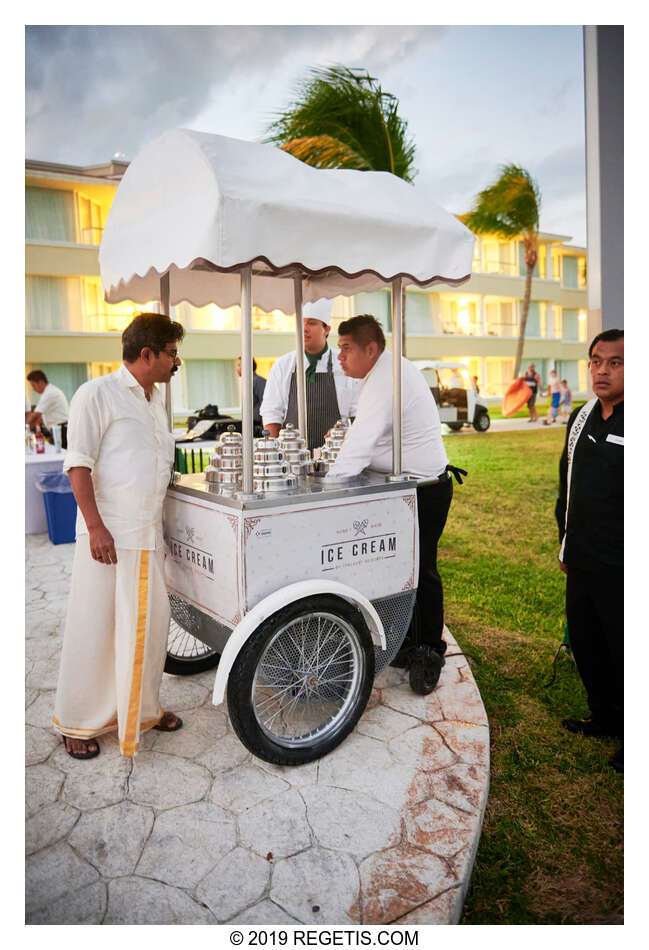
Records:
x=595, y=533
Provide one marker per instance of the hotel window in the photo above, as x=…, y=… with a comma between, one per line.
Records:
x=210, y=317
x=570, y=272
x=543, y=319
x=583, y=325
x=500, y=317
x=102, y=317
x=533, y=326
x=53, y=303
x=460, y=315
x=91, y=221
x=49, y=215
x=499, y=257
x=582, y=367
x=499, y=374
x=556, y=322
x=210, y=381
x=570, y=325
x=419, y=316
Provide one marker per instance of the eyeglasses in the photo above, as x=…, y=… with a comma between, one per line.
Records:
x=172, y=353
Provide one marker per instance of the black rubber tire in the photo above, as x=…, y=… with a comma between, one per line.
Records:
x=179, y=665
x=481, y=422
x=425, y=669
x=242, y=674
x=455, y=426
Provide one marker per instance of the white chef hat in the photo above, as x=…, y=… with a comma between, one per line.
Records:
x=318, y=310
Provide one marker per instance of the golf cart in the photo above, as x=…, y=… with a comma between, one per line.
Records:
x=455, y=393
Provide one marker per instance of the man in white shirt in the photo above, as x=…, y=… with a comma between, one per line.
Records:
x=52, y=406
x=330, y=395
x=119, y=460
x=368, y=444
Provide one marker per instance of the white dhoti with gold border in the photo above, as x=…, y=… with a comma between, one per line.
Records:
x=114, y=646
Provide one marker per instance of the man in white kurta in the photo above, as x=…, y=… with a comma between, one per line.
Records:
x=119, y=460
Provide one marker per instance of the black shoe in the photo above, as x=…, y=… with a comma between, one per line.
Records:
x=591, y=727
x=617, y=761
x=425, y=668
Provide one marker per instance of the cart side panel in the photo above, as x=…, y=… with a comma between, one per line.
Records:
x=202, y=562
x=370, y=544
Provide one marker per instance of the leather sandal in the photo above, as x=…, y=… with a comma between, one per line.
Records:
x=88, y=754
x=170, y=722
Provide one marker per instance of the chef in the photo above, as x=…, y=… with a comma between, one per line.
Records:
x=368, y=444
x=330, y=395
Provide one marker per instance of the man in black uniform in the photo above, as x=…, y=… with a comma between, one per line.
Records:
x=589, y=513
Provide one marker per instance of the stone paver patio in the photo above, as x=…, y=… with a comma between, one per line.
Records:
x=196, y=830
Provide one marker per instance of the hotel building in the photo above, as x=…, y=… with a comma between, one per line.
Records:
x=73, y=335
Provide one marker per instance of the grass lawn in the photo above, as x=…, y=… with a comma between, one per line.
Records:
x=551, y=849
x=496, y=412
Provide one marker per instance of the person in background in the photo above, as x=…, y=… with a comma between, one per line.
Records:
x=369, y=444
x=52, y=406
x=565, y=404
x=119, y=460
x=589, y=513
x=456, y=381
x=330, y=396
x=475, y=383
x=554, y=392
x=258, y=387
x=533, y=380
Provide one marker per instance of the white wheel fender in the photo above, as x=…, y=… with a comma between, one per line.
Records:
x=274, y=602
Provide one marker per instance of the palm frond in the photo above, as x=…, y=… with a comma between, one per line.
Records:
x=348, y=106
x=508, y=208
x=325, y=151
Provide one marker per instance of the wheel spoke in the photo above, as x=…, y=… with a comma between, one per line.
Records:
x=308, y=678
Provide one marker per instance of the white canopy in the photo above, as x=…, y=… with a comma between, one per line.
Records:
x=200, y=206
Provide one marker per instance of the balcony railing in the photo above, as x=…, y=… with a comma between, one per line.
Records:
x=466, y=329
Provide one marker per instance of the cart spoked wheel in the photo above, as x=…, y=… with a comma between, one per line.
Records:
x=425, y=668
x=185, y=654
x=301, y=682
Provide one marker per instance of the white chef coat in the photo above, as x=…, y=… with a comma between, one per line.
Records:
x=53, y=406
x=369, y=440
x=125, y=442
x=275, y=402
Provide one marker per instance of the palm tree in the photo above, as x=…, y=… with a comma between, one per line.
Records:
x=510, y=208
x=343, y=119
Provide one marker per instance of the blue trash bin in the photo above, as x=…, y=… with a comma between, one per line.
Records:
x=60, y=506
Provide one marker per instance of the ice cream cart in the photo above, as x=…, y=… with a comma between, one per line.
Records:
x=300, y=590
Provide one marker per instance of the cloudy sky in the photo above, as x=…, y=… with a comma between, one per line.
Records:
x=473, y=97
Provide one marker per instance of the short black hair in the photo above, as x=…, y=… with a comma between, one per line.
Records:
x=154, y=330
x=606, y=336
x=363, y=329
x=37, y=376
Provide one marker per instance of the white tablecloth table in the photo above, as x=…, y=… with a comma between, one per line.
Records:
x=35, y=465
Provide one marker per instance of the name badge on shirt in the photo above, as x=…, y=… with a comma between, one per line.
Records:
x=617, y=439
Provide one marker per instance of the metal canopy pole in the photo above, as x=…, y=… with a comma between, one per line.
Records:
x=397, y=324
x=246, y=377
x=300, y=378
x=165, y=293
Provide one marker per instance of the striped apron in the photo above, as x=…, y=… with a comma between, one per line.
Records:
x=322, y=410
